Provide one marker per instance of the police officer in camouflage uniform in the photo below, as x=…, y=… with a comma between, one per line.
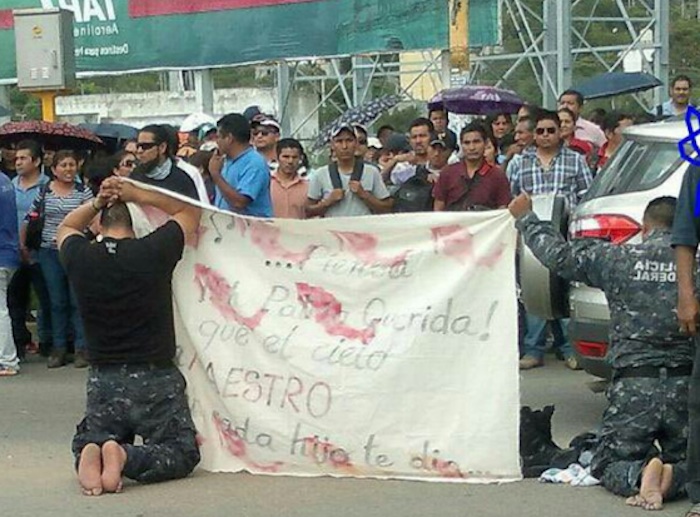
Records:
x=651, y=359
x=123, y=288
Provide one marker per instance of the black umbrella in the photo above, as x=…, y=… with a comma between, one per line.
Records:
x=364, y=114
x=113, y=135
x=110, y=130
x=616, y=83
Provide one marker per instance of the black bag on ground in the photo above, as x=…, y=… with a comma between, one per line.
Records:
x=35, y=223
x=537, y=449
x=416, y=194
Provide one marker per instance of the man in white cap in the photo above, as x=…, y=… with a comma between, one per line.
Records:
x=266, y=134
x=348, y=186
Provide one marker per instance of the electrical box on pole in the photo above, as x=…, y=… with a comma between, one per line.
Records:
x=45, y=49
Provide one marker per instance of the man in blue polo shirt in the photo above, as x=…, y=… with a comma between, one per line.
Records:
x=240, y=173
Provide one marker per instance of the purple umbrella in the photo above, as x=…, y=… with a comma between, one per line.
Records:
x=476, y=100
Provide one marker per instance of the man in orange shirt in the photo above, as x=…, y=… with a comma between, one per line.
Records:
x=287, y=189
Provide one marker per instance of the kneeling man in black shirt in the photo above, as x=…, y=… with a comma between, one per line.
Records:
x=124, y=292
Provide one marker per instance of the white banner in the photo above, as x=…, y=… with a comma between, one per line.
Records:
x=381, y=346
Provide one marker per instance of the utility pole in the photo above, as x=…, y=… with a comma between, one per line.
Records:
x=459, y=35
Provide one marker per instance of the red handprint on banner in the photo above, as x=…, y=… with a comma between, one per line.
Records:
x=364, y=247
x=220, y=294
x=328, y=312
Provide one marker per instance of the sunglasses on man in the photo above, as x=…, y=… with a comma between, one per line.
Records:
x=145, y=146
x=548, y=130
x=264, y=132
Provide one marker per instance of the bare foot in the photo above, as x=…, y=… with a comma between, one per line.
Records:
x=666, y=479
x=651, y=490
x=635, y=500
x=113, y=461
x=90, y=470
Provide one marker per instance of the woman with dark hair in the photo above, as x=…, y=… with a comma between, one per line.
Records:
x=613, y=126
x=130, y=145
x=499, y=125
x=567, y=119
x=55, y=201
x=491, y=152
x=123, y=163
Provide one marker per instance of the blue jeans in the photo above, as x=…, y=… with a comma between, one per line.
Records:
x=64, y=309
x=536, y=337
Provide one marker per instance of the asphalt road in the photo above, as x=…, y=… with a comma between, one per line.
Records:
x=40, y=407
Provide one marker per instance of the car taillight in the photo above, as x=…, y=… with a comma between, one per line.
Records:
x=614, y=228
x=591, y=348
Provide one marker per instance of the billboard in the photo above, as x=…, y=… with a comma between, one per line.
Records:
x=484, y=23
x=115, y=36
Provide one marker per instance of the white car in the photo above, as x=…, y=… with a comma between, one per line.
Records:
x=647, y=165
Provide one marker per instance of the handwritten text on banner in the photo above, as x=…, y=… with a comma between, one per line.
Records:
x=371, y=346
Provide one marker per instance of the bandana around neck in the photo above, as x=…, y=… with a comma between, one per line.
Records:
x=160, y=172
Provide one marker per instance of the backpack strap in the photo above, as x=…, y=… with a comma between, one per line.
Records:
x=335, y=175
x=461, y=203
x=42, y=198
x=357, y=170
x=422, y=172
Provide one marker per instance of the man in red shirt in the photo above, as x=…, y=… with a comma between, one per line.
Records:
x=471, y=184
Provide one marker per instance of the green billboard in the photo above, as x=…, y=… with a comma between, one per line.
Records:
x=115, y=36
x=128, y=35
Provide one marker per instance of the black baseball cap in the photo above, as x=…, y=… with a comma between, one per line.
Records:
x=398, y=143
x=447, y=141
x=252, y=112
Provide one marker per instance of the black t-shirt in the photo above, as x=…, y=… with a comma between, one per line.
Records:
x=177, y=181
x=124, y=293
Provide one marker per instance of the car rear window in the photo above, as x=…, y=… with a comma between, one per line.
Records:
x=637, y=165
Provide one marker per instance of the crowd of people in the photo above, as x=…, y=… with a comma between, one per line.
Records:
x=244, y=164
x=50, y=199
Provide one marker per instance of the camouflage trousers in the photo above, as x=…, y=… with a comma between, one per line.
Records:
x=641, y=411
x=128, y=400
x=693, y=485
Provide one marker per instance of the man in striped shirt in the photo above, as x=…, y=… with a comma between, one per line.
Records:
x=549, y=168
